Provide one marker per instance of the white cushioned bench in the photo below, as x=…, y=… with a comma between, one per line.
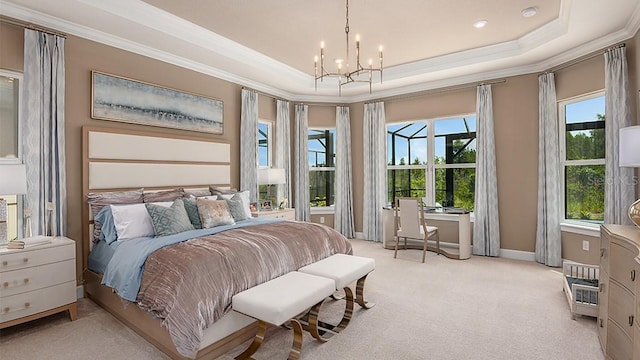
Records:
x=344, y=270
x=280, y=300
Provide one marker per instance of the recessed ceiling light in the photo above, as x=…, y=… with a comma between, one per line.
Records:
x=529, y=12
x=480, y=24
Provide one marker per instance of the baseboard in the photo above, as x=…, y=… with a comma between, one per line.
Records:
x=80, y=291
x=518, y=255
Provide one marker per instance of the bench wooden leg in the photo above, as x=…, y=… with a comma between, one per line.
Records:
x=360, y=294
x=257, y=341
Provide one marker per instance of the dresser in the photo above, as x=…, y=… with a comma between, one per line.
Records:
x=619, y=298
x=287, y=214
x=37, y=282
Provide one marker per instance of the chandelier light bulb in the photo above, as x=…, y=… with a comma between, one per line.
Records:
x=322, y=44
x=357, y=37
x=315, y=58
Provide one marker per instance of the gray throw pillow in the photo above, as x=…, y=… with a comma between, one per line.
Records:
x=169, y=220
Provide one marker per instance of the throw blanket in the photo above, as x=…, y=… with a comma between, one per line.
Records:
x=190, y=285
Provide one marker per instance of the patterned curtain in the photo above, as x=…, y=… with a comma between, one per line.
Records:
x=548, y=240
x=249, y=143
x=375, y=170
x=618, y=194
x=283, y=148
x=43, y=131
x=486, y=228
x=343, y=221
x=301, y=177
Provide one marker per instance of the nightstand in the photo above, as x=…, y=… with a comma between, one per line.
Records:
x=37, y=282
x=287, y=214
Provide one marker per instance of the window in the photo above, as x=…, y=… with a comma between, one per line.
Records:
x=322, y=157
x=582, y=156
x=434, y=159
x=265, y=135
x=10, y=83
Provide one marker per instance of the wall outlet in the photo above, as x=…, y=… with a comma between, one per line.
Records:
x=585, y=245
x=321, y=219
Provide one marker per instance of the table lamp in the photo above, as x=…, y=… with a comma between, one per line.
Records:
x=271, y=176
x=13, y=181
x=630, y=157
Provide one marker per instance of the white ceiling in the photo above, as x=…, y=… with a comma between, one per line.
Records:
x=270, y=45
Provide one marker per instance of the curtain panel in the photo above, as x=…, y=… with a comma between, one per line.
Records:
x=619, y=185
x=375, y=170
x=301, y=174
x=44, y=131
x=548, y=240
x=249, y=143
x=283, y=148
x=486, y=228
x=343, y=219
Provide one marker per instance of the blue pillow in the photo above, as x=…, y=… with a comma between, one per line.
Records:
x=169, y=220
x=105, y=218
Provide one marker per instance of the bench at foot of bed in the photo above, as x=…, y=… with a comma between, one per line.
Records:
x=344, y=270
x=280, y=300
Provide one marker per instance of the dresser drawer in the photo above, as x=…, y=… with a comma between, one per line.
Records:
x=21, y=259
x=621, y=307
x=619, y=344
x=37, y=277
x=623, y=269
x=33, y=302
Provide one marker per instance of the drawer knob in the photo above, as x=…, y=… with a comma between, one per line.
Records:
x=633, y=275
x=5, y=284
x=6, y=310
x=601, y=252
x=26, y=305
x=631, y=320
x=5, y=263
x=25, y=260
x=26, y=280
x=601, y=323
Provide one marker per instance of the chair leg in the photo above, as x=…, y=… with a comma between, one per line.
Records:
x=424, y=250
x=405, y=243
x=438, y=242
x=395, y=253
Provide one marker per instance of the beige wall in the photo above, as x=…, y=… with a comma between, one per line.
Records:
x=514, y=103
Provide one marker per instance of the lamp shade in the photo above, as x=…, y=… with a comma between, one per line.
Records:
x=271, y=176
x=13, y=179
x=630, y=146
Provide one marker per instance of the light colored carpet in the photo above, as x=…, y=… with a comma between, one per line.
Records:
x=481, y=308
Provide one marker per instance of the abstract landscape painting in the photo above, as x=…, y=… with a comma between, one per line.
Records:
x=120, y=99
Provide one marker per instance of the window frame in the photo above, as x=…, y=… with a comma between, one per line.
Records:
x=19, y=203
x=330, y=208
x=562, y=126
x=430, y=167
x=269, y=144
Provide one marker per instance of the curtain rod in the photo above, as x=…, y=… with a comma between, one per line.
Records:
x=439, y=90
x=31, y=26
x=264, y=94
x=583, y=58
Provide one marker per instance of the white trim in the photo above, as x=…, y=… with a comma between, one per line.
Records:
x=582, y=229
x=517, y=255
x=80, y=291
x=323, y=210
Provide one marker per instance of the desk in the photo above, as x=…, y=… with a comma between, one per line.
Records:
x=460, y=249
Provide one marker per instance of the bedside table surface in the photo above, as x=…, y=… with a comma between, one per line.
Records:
x=55, y=241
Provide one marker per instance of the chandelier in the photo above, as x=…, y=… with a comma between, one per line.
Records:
x=344, y=74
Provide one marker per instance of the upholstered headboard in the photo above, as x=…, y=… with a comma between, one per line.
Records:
x=116, y=160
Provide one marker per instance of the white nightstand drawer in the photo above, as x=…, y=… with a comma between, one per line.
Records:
x=33, y=302
x=44, y=254
x=33, y=278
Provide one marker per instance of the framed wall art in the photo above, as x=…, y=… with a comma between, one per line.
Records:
x=120, y=99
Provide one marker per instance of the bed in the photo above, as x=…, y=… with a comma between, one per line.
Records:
x=144, y=281
x=580, y=286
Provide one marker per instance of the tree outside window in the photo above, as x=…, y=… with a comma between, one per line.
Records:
x=264, y=151
x=442, y=165
x=582, y=123
x=322, y=157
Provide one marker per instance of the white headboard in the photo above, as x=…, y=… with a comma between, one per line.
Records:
x=116, y=160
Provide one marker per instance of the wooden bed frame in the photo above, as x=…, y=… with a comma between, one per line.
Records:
x=121, y=155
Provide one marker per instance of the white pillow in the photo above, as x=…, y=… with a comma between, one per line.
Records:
x=133, y=220
x=244, y=195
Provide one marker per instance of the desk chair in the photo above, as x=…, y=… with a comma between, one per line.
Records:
x=410, y=223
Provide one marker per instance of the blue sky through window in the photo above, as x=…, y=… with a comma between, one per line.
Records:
x=583, y=111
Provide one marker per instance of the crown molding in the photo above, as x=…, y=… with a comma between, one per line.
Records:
x=399, y=80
